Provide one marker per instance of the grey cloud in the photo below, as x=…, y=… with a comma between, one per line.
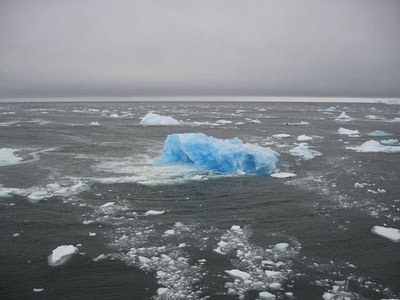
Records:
x=121, y=48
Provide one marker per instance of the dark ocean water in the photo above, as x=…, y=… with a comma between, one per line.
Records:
x=324, y=218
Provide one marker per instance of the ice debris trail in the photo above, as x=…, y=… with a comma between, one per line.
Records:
x=224, y=156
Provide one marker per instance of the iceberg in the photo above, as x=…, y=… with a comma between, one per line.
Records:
x=343, y=117
x=390, y=142
x=379, y=133
x=346, y=131
x=374, y=146
x=155, y=119
x=223, y=156
x=7, y=157
x=61, y=255
x=392, y=234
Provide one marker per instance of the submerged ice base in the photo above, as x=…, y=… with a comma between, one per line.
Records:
x=224, y=156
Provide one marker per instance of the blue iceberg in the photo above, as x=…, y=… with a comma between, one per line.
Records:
x=223, y=156
x=379, y=133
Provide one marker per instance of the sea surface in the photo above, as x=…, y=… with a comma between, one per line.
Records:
x=182, y=249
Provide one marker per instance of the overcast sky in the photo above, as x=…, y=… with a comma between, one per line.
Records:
x=162, y=48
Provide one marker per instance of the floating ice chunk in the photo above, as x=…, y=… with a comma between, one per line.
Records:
x=114, y=180
x=372, y=117
x=38, y=290
x=275, y=286
x=95, y=123
x=281, y=135
x=100, y=257
x=332, y=108
x=37, y=196
x=154, y=212
x=92, y=233
x=114, y=115
x=272, y=273
x=374, y=146
x=281, y=247
x=304, y=138
x=328, y=296
x=266, y=296
x=7, y=192
x=299, y=123
x=345, y=131
x=396, y=120
x=144, y=260
x=161, y=291
x=169, y=232
x=108, y=204
x=392, y=234
x=8, y=157
x=303, y=151
x=155, y=119
x=61, y=255
x=343, y=117
x=224, y=156
x=237, y=274
x=379, y=133
x=52, y=186
x=255, y=121
x=283, y=175
x=223, y=122
x=16, y=234
x=390, y=142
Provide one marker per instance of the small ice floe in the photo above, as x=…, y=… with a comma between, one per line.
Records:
x=37, y=196
x=281, y=247
x=16, y=235
x=92, y=234
x=343, y=117
x=281, y=135
x=372, y=117
x=9, y=157
x=348, y=132
x=223, y=122
x=374, y=146
x=304, y=138
x=114, y=115
x=38, y=290
x=255, y=121
x=396, y=120
x=94, y=123
x=392, y=234
x=155, y=119
x=328, y=296
x=332, y=108
x=53, y=186
x=154, y=212
x=266, y=296
x=237, y=274
x=108, y=204
x=303, y=151
x=161, y=291
x=61, y=255
x=379, y=133
x=169, y=232
x=100, y=257
x=389, y=142
x=283, y=175
x=115, y=180
x=298, y=123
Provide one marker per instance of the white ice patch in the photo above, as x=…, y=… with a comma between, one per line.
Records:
x=283, y=175
x=223, y=122
x=374, y=146
x=155, y=119
x=95, y=123
x=303, y=151
x=61, y=255
x=154, y=212
x=8, y=157
x=389, y=142
x=298, y=123
x=392, y=234
x=372, y=117
x=343, y=117
x=304, y=138
x=281, y=135
x=349, y=132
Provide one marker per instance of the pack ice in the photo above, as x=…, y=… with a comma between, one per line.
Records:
x=155, y=119
x=224, y=156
